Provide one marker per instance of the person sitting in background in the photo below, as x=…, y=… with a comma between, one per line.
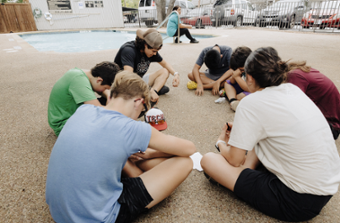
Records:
x=286, y=132
x=77, y=87
x=84, y=182
x=172, y=26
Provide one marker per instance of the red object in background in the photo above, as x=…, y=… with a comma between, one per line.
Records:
x=198, y=18
x=334, y=21
x=232, y=12
x=317, y=19
x=324, y=15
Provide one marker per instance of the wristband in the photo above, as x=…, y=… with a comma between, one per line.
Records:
x=218, y=141
x=176, y=73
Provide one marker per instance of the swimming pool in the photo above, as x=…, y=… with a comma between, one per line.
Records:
x=86, y=41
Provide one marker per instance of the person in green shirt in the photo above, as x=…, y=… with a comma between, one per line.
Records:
x=77, y=87
x=172, y=27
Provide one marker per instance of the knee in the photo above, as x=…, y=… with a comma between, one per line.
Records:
x=185, y=163
x=207, y=160
x=228, y=86
x=191, y=76
x=165, y=73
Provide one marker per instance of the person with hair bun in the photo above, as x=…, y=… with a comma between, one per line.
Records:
x=279, y=127
x=319, y=88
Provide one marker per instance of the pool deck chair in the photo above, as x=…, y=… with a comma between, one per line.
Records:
x=166, y=19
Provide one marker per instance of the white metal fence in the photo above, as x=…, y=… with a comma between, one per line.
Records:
x=323, y=16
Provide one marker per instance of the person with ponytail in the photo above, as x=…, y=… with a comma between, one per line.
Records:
x=320, y=89
x=174, y=22
x=279, y=127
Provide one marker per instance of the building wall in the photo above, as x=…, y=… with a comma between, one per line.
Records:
x=83, y=14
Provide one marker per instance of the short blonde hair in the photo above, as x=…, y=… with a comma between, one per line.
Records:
x=129, y=85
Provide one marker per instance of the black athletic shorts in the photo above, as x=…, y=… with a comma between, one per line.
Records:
x=265, y=192
x=133, y=199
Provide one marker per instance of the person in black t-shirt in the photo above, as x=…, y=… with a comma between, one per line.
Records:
x=137, y=55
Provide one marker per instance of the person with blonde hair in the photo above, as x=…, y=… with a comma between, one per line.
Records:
x=279, y=126
x=84, y=182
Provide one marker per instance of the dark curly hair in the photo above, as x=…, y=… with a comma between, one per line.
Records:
x=107, y=71
x=266, y=67
x=212, y=58
x=139, y=43
x=239, y=57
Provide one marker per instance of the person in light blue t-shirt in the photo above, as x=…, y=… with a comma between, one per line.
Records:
x=172, y=27
x=84, y=182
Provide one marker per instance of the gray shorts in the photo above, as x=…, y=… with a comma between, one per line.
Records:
x=146, y=77
x=212, y=76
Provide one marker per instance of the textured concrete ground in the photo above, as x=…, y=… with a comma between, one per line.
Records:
x=26, y=140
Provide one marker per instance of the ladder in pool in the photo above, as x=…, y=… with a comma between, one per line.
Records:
x=166, y=19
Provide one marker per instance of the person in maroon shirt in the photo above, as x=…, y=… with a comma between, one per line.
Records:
x=320, y=89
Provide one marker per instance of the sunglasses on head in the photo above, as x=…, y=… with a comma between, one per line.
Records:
x=145, y=107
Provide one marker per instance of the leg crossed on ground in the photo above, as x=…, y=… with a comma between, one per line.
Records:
x=205, y=80
x=218, y=168
x=158, y=78
x=164, y=178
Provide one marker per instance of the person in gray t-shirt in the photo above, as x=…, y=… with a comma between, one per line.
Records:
x=217, y=59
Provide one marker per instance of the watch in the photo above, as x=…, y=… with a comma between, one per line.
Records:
x=218, y=141
x=176, y=73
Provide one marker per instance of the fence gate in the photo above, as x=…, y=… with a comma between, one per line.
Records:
x=16, y=17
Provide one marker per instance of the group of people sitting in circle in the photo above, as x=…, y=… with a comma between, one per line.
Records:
x=279, y=154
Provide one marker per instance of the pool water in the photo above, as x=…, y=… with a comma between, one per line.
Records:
x=86, y=41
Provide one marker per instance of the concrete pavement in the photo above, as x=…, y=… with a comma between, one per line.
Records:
x=26, y=140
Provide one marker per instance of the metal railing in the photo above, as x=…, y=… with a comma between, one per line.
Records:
x=323, y=16
x=166, y=19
